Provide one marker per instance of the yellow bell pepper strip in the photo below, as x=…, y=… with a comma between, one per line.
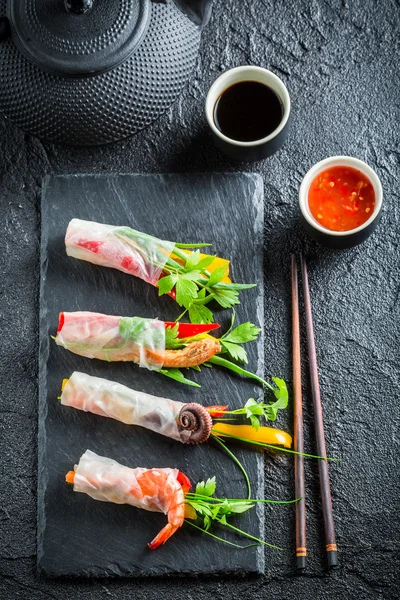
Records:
x=217, y=262
x=263, y=435
x=282, y=442
x=190, y=513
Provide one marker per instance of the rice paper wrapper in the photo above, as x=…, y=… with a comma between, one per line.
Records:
x=121, y=248
x=113, y=338
x=106, y=480
x=149, y=336
x=116, y=401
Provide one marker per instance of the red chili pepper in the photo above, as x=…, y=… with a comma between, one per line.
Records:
x=217, y=410
x=184, y=481
x=186, y=330
x=61, y=320
x=126, y=262
x=90, y=245
x=172, y=294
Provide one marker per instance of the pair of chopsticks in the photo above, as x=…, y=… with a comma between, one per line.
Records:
x=330, y=540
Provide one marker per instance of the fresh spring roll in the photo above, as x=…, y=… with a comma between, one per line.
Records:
x=112, y=338
x=155, y=490
x=121, y=248
x=189, y=423
x=135, y=339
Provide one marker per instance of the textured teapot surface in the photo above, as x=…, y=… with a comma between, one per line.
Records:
x=74, y=42
x=90, y=72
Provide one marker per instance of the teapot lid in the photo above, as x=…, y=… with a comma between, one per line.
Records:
x=78, y=37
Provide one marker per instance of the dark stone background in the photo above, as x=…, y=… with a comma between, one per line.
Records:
x=339, y=59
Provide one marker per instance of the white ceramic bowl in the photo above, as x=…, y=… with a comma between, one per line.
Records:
x=339, y=239
x=258, y=149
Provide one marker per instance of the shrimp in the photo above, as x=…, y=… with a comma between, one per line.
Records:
x=155, y=490
x=170, y=492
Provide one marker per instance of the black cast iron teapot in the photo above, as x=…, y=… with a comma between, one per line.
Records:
x=87, y=72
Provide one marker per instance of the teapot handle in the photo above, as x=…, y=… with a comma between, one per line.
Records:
x=198, y=11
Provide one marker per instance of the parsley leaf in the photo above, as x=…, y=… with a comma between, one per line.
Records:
x=246, y=332
x=192, y=260
x=254, y=410
x=252, y=407
x=226, y=298
x=255, y=422
x=235, y=351
x=206, y=488
x=281, y=392
x=198, y=507
x=216, y=276
x=282, y=397
x=166, y=284
x=171, y=337
x=205, y=262
x=191, y=276
x=186, y=291
x=239, y=507
x=200, y=314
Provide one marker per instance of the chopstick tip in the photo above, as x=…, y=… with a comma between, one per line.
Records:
x=300, y=563
x=332, y=559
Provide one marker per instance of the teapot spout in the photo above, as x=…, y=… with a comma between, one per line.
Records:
x=198, y=11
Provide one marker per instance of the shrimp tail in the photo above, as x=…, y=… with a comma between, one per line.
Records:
x=163, y=536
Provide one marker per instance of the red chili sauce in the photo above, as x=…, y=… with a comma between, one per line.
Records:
x=341, y=198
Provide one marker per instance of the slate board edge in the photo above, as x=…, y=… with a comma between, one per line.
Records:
x=44, y=347
x=259, y=236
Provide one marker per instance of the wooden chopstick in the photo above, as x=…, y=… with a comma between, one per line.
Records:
x=301, y=550
x=330, y=540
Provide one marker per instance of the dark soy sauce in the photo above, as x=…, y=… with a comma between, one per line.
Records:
x=248, y=111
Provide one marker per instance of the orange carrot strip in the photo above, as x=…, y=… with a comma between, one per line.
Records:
x=70, y=477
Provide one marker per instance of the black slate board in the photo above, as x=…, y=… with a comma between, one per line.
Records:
x=77, y=535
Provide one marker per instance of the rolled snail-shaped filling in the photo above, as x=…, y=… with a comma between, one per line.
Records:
x=194, y=424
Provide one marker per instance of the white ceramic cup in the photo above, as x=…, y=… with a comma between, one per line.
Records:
x=258, y=149
x=339, y=239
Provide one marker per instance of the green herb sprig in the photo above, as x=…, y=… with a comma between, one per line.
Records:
x=254, y=411
x=195, y=286
x=231, y=343
x=242, y=334
x=211, y=510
